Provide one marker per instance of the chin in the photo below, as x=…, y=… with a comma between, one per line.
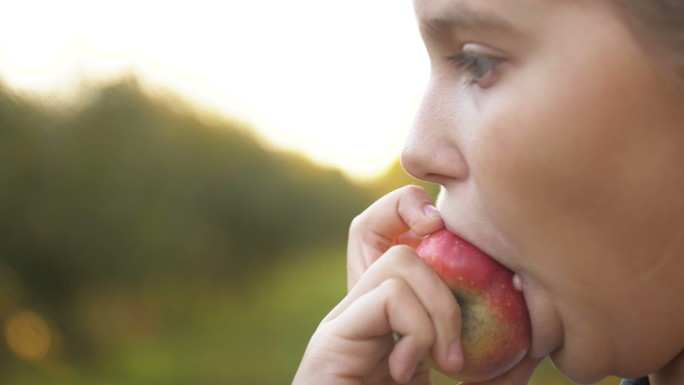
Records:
x=581, y=369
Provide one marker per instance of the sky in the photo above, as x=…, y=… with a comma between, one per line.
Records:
x=338, y=81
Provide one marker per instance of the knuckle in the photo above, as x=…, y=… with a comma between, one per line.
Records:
x=426, y=338
x=399, y=290
x=361, y=226
x=413, y=194
x=401, y=258
x=448, y=310
x=412, y=189
x=429, y=337
x=358, y=222
x=396, y=287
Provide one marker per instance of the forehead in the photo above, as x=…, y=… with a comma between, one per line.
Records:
x=446, y=9
x=488, y=14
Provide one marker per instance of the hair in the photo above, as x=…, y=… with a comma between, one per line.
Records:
x=659, y=24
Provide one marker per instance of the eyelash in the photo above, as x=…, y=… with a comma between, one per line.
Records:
x=477, y=67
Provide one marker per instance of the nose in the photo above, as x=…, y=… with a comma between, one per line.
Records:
x=433, y=149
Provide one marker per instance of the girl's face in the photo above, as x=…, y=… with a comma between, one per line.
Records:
x=560, y=148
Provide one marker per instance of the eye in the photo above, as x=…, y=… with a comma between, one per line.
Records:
x=478, y=68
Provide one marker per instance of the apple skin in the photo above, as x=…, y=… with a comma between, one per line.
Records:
x=495, y=324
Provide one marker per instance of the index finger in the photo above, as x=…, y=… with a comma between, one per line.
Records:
x=405, y=213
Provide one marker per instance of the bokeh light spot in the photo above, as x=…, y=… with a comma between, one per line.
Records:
x=28, y=335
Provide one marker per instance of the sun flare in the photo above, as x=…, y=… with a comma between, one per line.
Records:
x=338, y=82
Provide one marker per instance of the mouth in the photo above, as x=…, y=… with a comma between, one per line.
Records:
x=487, y=247
x=548, y=332
x=495, y=324
x=547, y=329
x=545, y=326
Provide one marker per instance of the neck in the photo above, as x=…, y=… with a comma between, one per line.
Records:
x=671, y=374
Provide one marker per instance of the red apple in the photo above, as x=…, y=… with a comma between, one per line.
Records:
x=495, y=325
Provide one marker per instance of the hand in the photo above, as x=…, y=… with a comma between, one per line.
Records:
x=392, y=292
x=399, y=294
x=354, y=344
x=404, y=216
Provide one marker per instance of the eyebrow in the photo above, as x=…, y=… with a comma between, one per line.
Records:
x=465, y=19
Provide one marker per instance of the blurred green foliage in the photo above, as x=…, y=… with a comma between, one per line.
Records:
x=129, y=188
x=128, y=185
x=145, y=242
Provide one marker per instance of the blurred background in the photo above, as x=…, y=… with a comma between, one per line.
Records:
x=177, y=180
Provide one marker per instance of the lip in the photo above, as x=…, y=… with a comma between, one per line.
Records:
x=481, y=246
x=547, y=328
x=545, y=338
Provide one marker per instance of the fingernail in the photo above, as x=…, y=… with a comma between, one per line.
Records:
x=431, y=211
x=455, y=355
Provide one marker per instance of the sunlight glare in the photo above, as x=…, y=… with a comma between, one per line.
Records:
x=337, y=81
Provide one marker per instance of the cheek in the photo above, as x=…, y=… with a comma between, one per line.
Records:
x=567, y=171
x=577, y=186
x=538, y=161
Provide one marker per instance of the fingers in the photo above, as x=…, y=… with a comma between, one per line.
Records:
x=401, y=263
x=402, y=216
x=391, y=307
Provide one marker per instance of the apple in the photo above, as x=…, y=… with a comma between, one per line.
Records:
x=495, y=324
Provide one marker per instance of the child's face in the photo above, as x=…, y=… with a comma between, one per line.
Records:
x=561, y=154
